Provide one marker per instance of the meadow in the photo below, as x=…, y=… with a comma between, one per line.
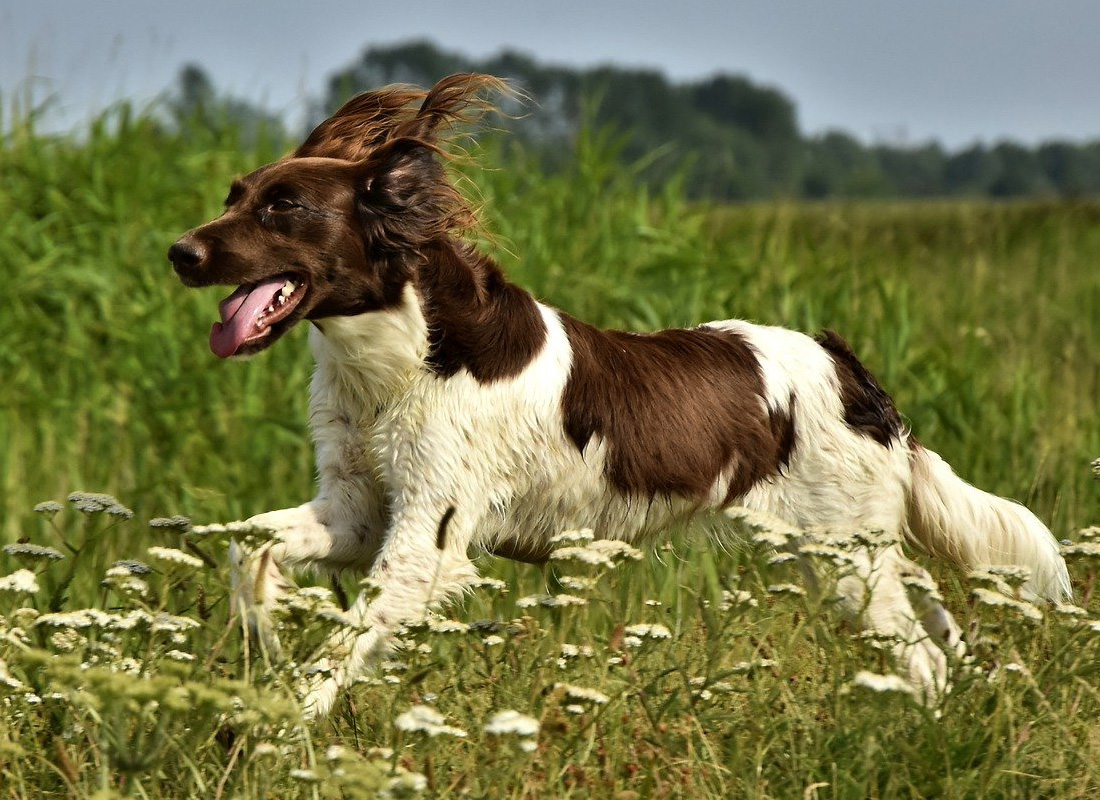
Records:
x=688, y=671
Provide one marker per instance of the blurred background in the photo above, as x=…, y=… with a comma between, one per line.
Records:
x=749, y=100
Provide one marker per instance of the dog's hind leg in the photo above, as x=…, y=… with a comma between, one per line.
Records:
x=876, y=595
x=422, y=563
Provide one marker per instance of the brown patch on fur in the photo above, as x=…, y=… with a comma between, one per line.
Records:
x=675, y=408
x=441, y=531
x=782, y=425
x=868, y=408
x=477, y=319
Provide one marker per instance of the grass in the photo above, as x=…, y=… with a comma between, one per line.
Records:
x=981, y=319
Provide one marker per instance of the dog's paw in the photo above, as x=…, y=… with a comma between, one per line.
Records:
x=256, y=584
x=925, y=665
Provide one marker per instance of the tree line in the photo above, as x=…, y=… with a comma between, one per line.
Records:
x=727, y=137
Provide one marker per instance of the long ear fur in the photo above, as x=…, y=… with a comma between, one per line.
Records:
x=369, y=120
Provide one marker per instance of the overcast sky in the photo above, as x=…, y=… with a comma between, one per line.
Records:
x=910, y=70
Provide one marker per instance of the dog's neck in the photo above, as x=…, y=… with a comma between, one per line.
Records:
x=376, y=352
x=459, y=313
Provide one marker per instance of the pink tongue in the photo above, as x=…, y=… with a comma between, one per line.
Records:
x=239, y=313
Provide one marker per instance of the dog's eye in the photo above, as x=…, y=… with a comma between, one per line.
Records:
x=283, y=204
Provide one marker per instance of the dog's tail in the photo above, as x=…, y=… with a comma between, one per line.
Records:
x=949, y=518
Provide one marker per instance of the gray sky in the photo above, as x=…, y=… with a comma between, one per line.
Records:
x=957, y=70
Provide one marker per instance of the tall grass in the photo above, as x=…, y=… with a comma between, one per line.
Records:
x=981, y=319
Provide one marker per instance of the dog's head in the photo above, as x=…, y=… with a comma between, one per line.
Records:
x=339, y=226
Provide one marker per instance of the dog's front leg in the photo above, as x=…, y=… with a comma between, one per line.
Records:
x=422, y=562
x=318, y=534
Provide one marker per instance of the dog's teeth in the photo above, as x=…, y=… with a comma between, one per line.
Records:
x=282, y=299
x=287, y=290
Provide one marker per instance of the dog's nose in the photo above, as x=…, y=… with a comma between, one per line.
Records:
x=186, y=254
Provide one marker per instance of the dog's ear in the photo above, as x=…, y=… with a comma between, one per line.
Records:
x=360, y=125
x=372, y=119
x=398, y=173
x=405, y=195
x=453, y=100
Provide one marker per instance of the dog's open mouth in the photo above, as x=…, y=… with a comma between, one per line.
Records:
x=250, y=312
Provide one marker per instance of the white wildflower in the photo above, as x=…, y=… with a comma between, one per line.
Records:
x=405, y=785
x=1069, y=610
x=447, y=626
x=574, y=708
x=1014, y=575
x=577, y=583
x=7, y=679
x=510, y=721
x=990, y=598
x=33, y=551
x=923, y=585
x=174, y=557
x=551, y=601
x=128, y=665
x=582, y=554
x=737, y=597
x=766, y=529
x=492, y=639
x=305, y=775
x=778, y=559
x=828, y=552
x=786, y=588
x=164, y=622
x=883, y=684
x=654, y=603
x=83, y=618
x=264, y=749
x=489, y=583
x=66, y=640
x=616, y=549
x=1086, y=551
x=48, y=508
x=644, y=630
x=632, y=641
x=426, y=719
x=317, y=593
x=176, y=522
x=746, y=667
x=579, y=535
x=22, y=581
x=179, y=655
x=881, y=640
x=582, y=693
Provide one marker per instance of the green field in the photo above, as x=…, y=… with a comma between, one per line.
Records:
x=982, y=320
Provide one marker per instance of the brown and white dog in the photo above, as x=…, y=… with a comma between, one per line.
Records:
x=453, y=411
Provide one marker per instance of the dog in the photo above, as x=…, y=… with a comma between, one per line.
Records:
x=450, y=410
